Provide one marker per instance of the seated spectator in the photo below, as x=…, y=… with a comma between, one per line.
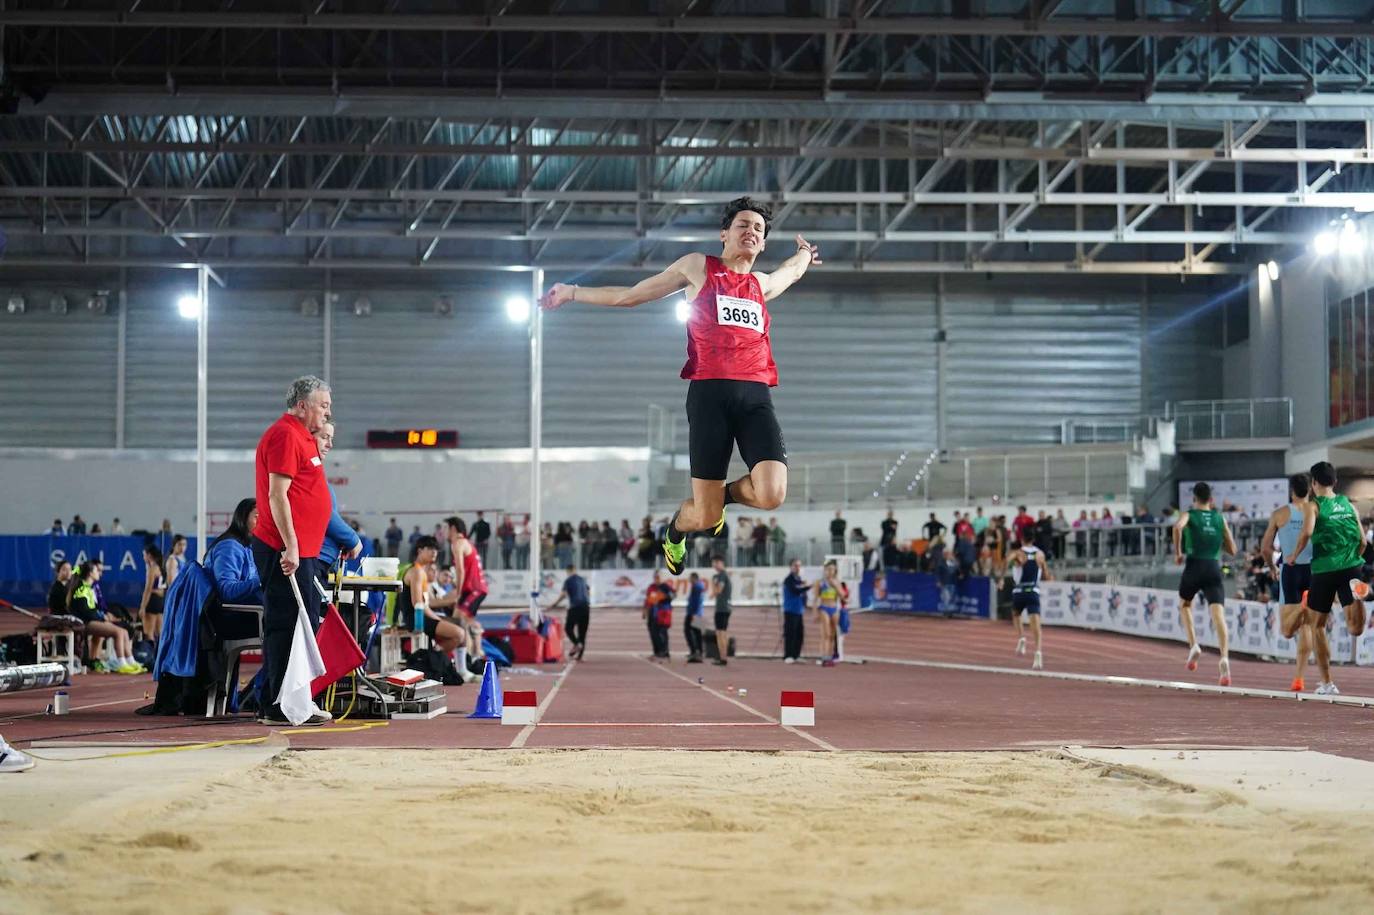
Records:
x=57, y=594
x=77, y=528
x=95, y=530
x=189, y=651
x=116, y=528
x=57, y=529
x=447, y=634
x=83, y=604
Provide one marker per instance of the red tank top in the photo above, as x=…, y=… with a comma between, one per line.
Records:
x=727, y=330
x=473, y=579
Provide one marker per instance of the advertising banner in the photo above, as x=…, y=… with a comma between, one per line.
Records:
x=26, y=565
x=918, y=592
x=1253, y=627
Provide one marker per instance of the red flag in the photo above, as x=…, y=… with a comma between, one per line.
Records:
x=338, y=649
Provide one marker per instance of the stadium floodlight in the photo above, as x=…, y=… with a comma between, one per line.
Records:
x=189, y=307
x=683, y=309
x=518, y=309
x=1272, y=268
x=1325, y=243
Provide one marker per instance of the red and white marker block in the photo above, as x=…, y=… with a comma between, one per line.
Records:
x=798, y=709
x=519, y=707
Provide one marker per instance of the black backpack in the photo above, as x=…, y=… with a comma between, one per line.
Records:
x=435, y=665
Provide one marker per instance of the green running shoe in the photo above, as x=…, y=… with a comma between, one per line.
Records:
x=674, y=555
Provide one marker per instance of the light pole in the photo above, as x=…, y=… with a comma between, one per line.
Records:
x=519, y=309
x=197, y=308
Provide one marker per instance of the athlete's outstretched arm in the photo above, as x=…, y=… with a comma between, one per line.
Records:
x=776, y=283
x=1309, y=524
x=688, y=270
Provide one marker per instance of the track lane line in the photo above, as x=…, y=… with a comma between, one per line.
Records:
x=528, y=729
x=824, y=745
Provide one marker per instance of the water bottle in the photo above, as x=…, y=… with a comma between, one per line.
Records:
x=419, y=618
x=60, y=703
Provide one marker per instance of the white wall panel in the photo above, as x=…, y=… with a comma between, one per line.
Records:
x=57, y=375
x=1018, y=365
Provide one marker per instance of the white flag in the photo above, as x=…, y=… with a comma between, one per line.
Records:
x=303, y=667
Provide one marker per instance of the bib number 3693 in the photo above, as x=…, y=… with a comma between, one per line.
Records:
x=738, y=312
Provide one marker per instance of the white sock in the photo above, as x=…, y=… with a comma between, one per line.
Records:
x=461, y=662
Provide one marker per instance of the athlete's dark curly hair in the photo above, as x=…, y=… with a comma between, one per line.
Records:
x=739, y=205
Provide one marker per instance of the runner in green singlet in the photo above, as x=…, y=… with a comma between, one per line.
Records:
x=1333, y=527
x=1202, y=533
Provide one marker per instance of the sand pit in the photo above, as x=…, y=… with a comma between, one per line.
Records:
x=373, y=831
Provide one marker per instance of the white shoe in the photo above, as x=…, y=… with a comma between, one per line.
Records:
x=1327, y=689
x=1038, y=663
x=467, y=676
x=1224, y=669
x=1021, y=645
x=317, y=712
x=789, y=660
x=1193, y=654
x=11, y=760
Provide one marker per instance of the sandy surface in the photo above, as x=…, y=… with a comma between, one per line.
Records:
x=1270, y=779
x=375, y=831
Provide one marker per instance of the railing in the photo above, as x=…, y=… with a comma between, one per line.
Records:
x=1200, y=420
x=596, y=555
x=1044, y=475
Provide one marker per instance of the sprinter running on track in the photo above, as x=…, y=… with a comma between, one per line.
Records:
x=1285, y=527
x=1028, y=570
x=1202, y=533
x=729, y=366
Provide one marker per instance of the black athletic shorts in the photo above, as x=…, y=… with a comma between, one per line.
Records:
x=1331, y=586
x=1028, y=601
x=1293, y=581
x=722, y=621
x=1202, y=575
x=722, y=412
x=431, y=627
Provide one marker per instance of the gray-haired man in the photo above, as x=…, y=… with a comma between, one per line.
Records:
x=291, y=486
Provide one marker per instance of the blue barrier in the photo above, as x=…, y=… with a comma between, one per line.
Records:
x=26, y=565
x=918, y=592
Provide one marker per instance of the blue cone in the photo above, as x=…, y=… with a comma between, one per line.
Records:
x=490, y=699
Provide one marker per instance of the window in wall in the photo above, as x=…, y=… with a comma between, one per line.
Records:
x=1350, y=373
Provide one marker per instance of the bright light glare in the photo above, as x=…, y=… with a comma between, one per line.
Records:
x=683, y=309
x=188, y=306
x=518, y=309
x=1324, y=244
x=1272, y=268
x=1351, y=241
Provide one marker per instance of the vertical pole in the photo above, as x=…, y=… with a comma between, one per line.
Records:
x=1087, y=478
x=121, y=359
x=328, y=312
x=1006, y=478
x=202, y=387
x=536, y=433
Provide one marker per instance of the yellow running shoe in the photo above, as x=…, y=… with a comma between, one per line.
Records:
x=720, y=525
x=674, y=555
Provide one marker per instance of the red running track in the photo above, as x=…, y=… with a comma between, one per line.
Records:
x=619, y=698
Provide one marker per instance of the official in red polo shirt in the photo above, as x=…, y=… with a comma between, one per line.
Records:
x=291, y=485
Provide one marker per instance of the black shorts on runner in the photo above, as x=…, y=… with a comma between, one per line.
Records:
x=1028, y=601
x=1202, y=575
x=1293, y=581
x=722, y=622
x=722, y=412
x=431, y=627
x=1331, y=586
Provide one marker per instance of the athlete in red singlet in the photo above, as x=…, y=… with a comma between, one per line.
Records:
x=469, y=587
x=729, y=364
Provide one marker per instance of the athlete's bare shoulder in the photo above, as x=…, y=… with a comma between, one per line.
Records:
x=692, y=267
